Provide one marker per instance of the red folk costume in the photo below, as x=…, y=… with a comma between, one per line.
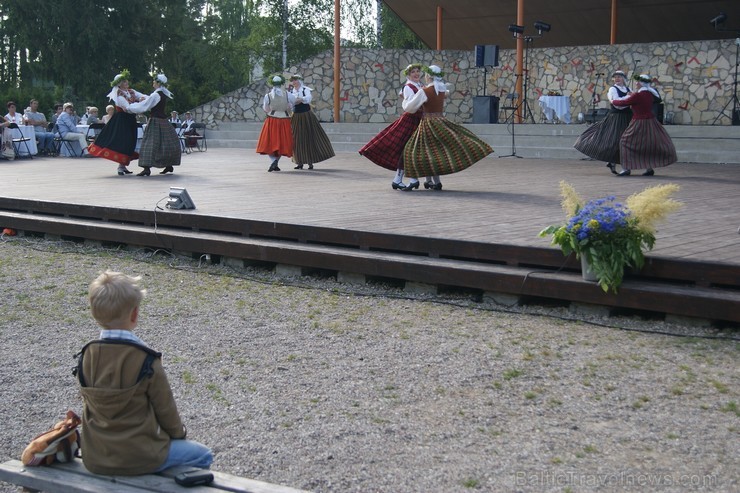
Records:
x=276, y=137
x=645, y=144
x=117, y=140
x=386, y=148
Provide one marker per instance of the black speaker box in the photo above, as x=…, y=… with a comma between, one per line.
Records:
x=485, y=109
x=486, y=55
x=595, y=116
x=658, y=111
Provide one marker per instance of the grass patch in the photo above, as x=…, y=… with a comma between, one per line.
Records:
x=188, y=377
x=731, y=407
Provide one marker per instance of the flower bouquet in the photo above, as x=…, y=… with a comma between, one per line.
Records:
x=610, y=235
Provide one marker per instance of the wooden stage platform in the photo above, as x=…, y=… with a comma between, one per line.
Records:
x=500, y=202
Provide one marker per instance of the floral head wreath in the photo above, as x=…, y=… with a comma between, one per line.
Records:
x=433, y=71
x=276, y=80
x=411, y=67
x=295, y=77
x=162, y=79
x=643, y=78
x=124, y=75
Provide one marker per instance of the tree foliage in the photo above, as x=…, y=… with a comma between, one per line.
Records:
x=70, y=50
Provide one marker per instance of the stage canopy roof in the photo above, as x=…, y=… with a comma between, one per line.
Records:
x=466, y=23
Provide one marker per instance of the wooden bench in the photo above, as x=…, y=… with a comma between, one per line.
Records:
x=72, y=477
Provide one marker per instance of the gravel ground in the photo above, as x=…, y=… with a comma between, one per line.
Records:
x=343, y=388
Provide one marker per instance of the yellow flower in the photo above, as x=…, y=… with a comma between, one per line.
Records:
x=572, y=202
x=652, y=205
x=593, y=224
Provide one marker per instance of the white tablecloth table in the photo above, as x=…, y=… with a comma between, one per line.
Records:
x=28, y=132
x=83, y=130
x=556, y=107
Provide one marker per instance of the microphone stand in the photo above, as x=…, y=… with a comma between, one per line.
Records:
x=593, y=98
x=734, y=115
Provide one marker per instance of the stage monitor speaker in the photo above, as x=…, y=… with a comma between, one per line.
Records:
x=595, y=116
x=486, y=55
x=179, y=199
x=658, y=111
x=485, y=109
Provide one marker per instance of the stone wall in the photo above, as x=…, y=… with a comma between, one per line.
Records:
x=695, y=78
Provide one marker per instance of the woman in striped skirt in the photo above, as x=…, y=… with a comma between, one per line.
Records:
x=645, y=144
x=276, y=137
x=386, y=148
x=160, y=147
x=600, y=141
x=438, y=146
x=310, y=143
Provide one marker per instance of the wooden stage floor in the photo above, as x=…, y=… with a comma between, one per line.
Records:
x=499, y=200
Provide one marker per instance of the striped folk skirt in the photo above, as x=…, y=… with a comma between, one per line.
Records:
x=441, y=147
x=310, y=143
x=386, y=148
x=646, y=144
x=160, y=146
x=600, y=141
x=276, y=137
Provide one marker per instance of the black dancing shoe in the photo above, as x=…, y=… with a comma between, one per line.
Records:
x=624, y=172
x=436, y=186
x=398, y=186
x=428, y=184
x=310, y=166
x=410, y=186
x=649, y=172
x=612, y=168
x=126, y=171
x=168, y=169
x=300, y=166
x=144, y=172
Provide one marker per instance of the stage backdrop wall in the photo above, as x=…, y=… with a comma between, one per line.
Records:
x=695, y=78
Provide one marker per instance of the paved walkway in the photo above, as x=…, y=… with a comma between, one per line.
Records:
x=499, y=200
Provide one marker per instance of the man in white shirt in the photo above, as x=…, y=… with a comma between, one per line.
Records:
x=38, y=121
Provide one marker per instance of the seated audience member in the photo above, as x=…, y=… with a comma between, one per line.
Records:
x=38, y=121
x=130, y=421
x=85, y=116
x=68, y=128
x=13, y=116
x=109, y=112
x=6, y=143
x=187, y=129
x=92, y=115
x=174, y=118
x=57, y=111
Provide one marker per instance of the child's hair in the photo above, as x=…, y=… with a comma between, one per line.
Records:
x=112, y=297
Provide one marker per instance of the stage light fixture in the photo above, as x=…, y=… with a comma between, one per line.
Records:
x=179, y=199
x=720, y=19
x=515, y=29
x=542, y=27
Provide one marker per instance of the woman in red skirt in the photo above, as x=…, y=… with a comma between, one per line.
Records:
x=386, y=148
x=645, y=144
x=276, y=137
x=117, y=140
